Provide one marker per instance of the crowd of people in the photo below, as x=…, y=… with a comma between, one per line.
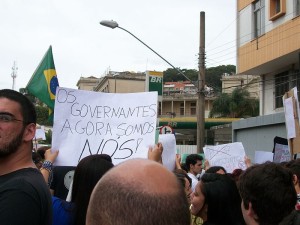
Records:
x=137, y=191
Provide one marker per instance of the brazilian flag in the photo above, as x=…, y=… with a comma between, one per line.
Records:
x=43, y=82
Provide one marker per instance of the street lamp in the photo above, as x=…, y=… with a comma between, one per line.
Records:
x=113, y=24
x=200, y=117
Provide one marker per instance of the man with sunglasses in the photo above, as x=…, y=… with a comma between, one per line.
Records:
x=24, y=195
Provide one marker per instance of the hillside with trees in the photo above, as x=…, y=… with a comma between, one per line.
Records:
x=212, y=75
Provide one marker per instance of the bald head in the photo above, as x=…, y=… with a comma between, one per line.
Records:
x=138, y=191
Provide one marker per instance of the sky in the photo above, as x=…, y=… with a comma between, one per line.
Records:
x=82, y=47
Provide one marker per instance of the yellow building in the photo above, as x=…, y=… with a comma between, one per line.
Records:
x=268, y=44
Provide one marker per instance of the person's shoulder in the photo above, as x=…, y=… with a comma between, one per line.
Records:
x=297, y=218
x=26, y=179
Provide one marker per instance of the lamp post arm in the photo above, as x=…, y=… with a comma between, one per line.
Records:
x=157, y=54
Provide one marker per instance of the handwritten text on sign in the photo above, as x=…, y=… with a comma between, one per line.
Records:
x=86, y=123
x=230, y=156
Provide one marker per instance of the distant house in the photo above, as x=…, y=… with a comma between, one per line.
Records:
x=87, y=83
x=249, y=82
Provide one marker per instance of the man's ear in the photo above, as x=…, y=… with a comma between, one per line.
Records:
x=29, y=132
x=251, y=213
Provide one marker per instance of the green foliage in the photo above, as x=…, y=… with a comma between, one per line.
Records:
x=212, y=75
x=49, y=137
x=238, y=104
x=48, y=140
x=42, y=114
x=172, y=75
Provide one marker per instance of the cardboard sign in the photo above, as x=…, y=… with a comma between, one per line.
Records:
x=86, y=123
x=230, y=156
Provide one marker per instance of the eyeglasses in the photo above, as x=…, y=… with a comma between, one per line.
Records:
x=7, y=118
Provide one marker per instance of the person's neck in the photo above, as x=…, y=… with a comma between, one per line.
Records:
x=195, y=174
x=18, y=160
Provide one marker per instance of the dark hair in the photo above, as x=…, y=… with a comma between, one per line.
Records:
x=192, y=159
x=269, y=187
x=294, y=166
x=235, y=175
x=41, y=150
x=181, y=175
x=36, y=157
x=215, y=169
x=27, y=108
x=222, y=199
x=87, y=173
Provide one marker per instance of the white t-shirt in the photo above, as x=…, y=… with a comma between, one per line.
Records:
x=194, y=180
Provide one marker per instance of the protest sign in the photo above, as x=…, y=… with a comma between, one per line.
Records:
x=263, y=156
x=168, y=142
x=120, y=125
x=281, y=153
x=230, y=156
x=40, y=133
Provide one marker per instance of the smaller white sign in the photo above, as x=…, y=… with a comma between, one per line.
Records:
x=230, y=156
x=263, y=156
x=40, y=134
x=168, y=142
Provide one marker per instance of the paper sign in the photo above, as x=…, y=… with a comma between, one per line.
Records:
x=281, y=153
x=289, y=118
x=230, y=156
x=40, y=134
x=120, y=125
x=262, y=156
x=297, y=101
x=169, y=144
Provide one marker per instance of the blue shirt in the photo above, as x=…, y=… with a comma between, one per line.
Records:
x=63, y=212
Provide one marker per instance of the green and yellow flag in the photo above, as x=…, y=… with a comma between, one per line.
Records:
x=43, y=82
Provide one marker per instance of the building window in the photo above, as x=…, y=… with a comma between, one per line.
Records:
x=181, y=109
x=297, y=7
x=295, y=80
x=259, y=17
x=277, y=9
x=284, y=82
x=193, y=108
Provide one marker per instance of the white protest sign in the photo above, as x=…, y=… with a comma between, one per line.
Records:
x=40, y=133
x=262, y=156
x=289, y=118
x=281, y=153
x=230, y=156
x=86, y=123
x=168, y=142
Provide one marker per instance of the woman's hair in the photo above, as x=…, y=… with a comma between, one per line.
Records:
x=215, y=169
x=87, y=173
x=222, y=199
x=181, y=175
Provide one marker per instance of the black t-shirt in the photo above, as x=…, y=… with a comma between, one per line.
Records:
x=62, y=177
x=25, y=198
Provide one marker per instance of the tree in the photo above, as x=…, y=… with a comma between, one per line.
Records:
x=42, y=114
x=212, y=75
x=238, y=104
x=172, y=75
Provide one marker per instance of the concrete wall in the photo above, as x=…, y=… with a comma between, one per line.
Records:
x=258, y=133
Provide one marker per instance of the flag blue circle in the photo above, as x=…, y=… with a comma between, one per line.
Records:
x=53, y=84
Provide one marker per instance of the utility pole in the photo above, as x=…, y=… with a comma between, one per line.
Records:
x=201, y=83
x=14, y=75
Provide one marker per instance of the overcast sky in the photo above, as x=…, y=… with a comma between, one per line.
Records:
x=82, y=47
